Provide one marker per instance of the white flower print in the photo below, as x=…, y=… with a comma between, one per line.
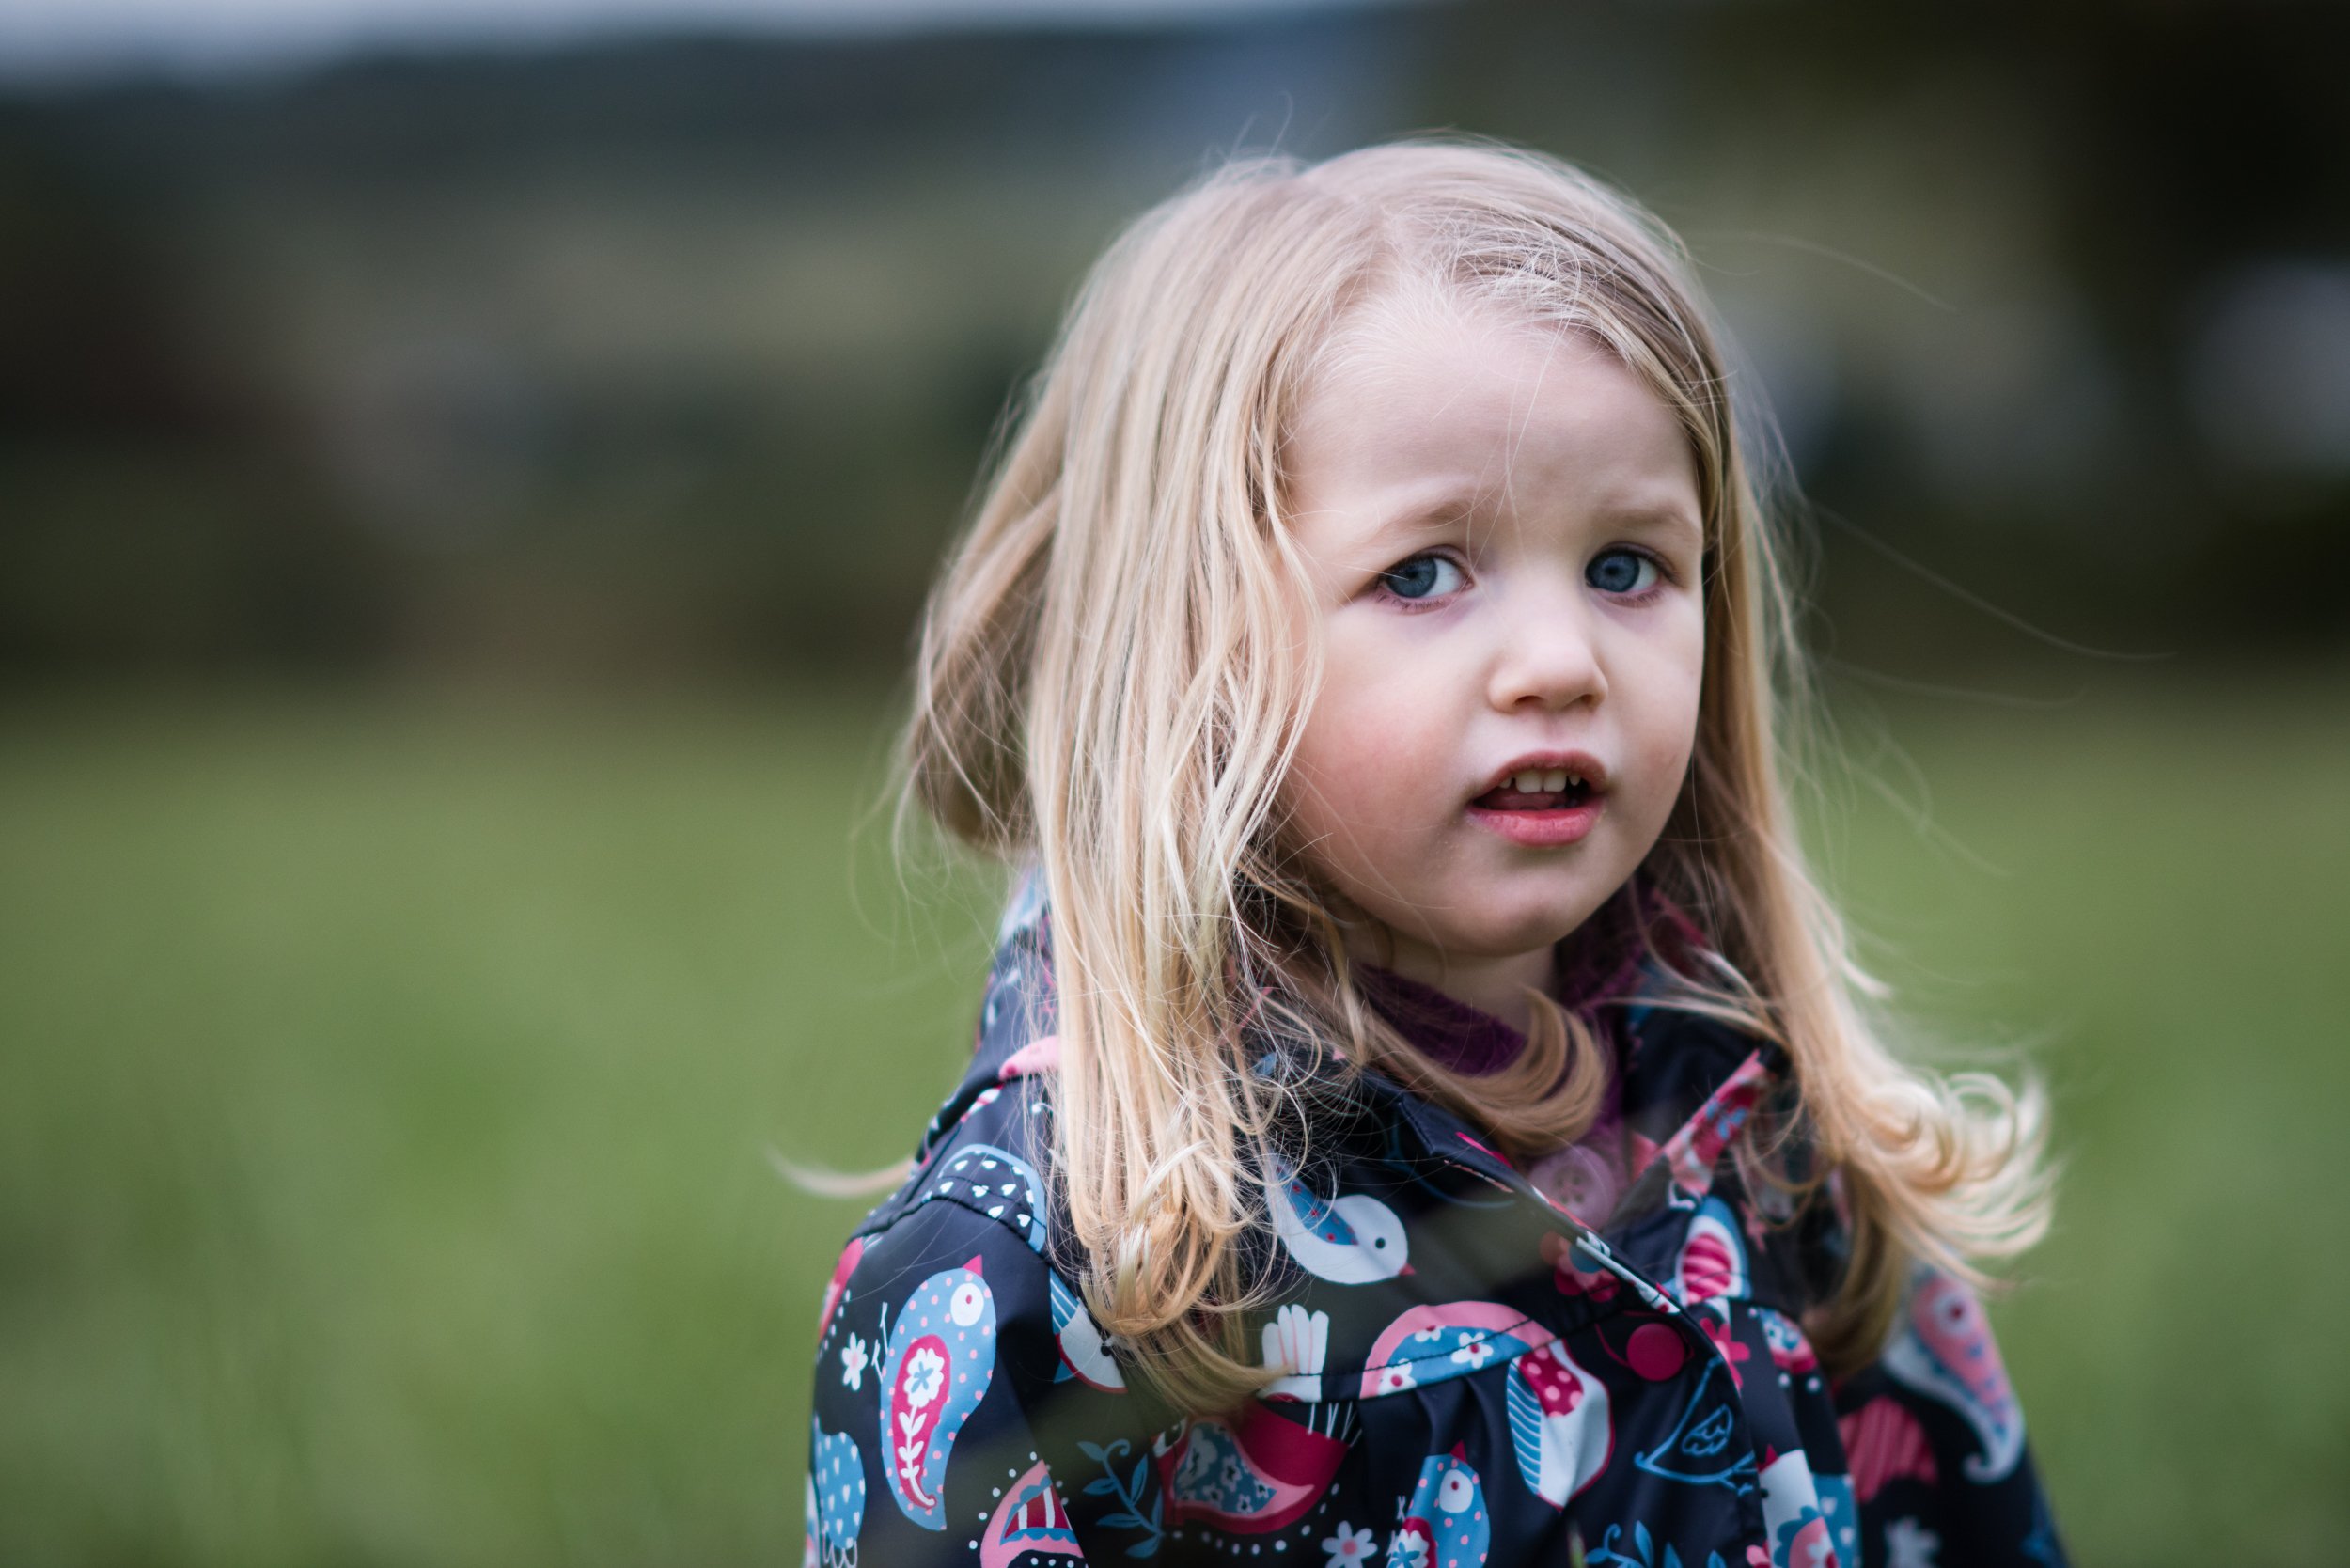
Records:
x=1409, y=1548
x=1474, y=1353
x=1388, y=1380
x=853, y=1360
x=1350, y=1547
x=1910, y=1544
x=926, y=1373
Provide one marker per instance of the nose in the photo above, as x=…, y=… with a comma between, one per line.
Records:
x=1548, y=659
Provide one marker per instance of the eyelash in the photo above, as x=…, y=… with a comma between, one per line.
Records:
x=1665, y=573
x=1665, y=577
x=1413, y=606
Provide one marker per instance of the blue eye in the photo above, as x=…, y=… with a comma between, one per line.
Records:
x=1621, y=572
x=1421, y=577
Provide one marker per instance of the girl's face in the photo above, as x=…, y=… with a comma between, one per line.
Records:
x=1502, y=531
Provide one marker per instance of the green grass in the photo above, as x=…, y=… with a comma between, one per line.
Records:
x=2156, y=893
x=386, y=1088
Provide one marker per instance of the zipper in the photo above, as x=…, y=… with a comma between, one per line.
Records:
x=1588, y=1241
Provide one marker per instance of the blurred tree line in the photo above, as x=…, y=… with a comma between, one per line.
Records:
x=680, y=355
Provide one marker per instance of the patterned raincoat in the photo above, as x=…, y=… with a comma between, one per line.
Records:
x=1470, y=1376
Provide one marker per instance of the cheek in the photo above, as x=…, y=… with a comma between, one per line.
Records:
x=1362, y=765
x=1347, y=764
x=1656, y=669
x=1673, y=683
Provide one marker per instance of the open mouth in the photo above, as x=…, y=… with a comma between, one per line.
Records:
x=1538, y=790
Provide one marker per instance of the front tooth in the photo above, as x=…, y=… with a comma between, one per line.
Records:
x=1555, y=780
x=1528, y=783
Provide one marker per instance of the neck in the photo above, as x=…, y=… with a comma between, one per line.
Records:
x=1497, y=985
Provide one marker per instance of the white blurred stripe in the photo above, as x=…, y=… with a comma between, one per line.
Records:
x=49, y=40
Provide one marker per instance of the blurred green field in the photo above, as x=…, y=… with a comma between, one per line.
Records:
x=389, y=1083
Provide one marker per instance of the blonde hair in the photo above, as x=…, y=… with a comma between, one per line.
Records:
x=1110, y=684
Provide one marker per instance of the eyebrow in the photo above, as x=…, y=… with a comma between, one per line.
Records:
x=1456, y=502
x=1661, y=516
x=1442, y=510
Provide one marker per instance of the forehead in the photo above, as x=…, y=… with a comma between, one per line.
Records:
x=1423, y=393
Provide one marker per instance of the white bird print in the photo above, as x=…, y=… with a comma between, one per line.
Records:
x=1353, y=1240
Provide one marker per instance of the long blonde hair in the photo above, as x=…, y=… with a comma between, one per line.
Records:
x=1110, y=685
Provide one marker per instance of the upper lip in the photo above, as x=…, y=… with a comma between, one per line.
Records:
x=1582, y=765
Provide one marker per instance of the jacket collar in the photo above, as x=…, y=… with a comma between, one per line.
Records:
x=1690, y=1084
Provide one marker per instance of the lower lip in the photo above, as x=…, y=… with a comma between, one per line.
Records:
x=1542, y=829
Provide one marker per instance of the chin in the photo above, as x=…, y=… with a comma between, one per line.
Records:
x=1519, y=930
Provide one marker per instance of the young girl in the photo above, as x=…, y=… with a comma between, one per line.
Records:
x=1421, y=1110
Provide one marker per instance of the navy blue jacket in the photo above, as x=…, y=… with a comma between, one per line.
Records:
x=1471, y=1376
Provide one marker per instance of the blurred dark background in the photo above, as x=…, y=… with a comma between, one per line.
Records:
x=678, y=352
x=466, y=487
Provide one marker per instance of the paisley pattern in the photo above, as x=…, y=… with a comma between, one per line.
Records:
x=1458, y=1372
x=1943, y=1350
x=942, y=1355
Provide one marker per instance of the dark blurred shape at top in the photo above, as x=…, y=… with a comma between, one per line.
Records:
x=680, y=356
